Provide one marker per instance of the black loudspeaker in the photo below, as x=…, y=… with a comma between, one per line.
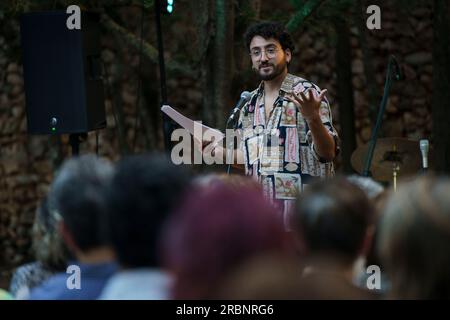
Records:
x=62, y=73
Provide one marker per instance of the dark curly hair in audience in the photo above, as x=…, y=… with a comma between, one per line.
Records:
x=143, y=192
x=267, y=30
x=332, y=217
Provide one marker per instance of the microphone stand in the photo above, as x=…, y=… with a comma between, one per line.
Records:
x=245, y=97
x=373, y=138
x=74, y=140
x=235, y=125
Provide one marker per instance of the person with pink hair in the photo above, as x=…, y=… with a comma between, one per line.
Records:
x=215, y=230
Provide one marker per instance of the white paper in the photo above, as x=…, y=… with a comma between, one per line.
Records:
x=189, y=124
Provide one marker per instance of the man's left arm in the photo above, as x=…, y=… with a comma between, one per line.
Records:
x=316, y=111
x=324, y=142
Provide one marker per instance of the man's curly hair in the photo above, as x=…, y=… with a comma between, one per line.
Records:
x=267, y=30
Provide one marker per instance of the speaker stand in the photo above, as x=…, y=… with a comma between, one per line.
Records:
x=74, y=140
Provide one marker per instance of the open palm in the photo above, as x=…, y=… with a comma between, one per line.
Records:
x=308, y=103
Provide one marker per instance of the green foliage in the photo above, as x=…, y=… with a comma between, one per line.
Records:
x=244, y=13
x=318, y=13
x=298, y=4
x=17, y=7
x=304, y=8
x=406, y=6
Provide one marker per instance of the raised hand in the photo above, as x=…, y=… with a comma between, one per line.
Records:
x=308, y=103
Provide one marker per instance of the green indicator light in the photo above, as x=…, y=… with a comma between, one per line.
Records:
x=169, y=9
x=53, y=129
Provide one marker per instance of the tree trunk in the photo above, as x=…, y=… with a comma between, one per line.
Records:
x=441, y=83
x=204, y=26
x=114, y=90
x=345, y=93
x=256, y=6
x=223, y=54
x=147, y=49
x=150, y=107
x=119, y=118
x=214, y=23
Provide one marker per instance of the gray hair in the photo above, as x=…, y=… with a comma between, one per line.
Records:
x=368, y=185
x=78, y=195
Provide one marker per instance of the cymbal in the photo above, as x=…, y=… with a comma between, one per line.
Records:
x=402, y=153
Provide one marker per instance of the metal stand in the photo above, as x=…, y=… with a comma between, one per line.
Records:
x=74, y=140
x=231, y=144
x=387, y=87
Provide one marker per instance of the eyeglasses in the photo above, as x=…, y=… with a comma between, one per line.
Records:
x=271, y=52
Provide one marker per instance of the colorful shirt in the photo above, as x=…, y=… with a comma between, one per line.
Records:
x=281, y=153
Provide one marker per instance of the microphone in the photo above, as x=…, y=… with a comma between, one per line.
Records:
x=245, y=96
x=424, y=147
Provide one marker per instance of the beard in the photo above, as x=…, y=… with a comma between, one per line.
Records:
x=276, y=70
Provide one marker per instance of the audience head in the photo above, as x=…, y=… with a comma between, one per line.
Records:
x=414, y=241
x=143, y=192
x=331, y=219
x=266, y=277
x=78, y=195
x=218, y=227
x=377, y=195
x=372, y=188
